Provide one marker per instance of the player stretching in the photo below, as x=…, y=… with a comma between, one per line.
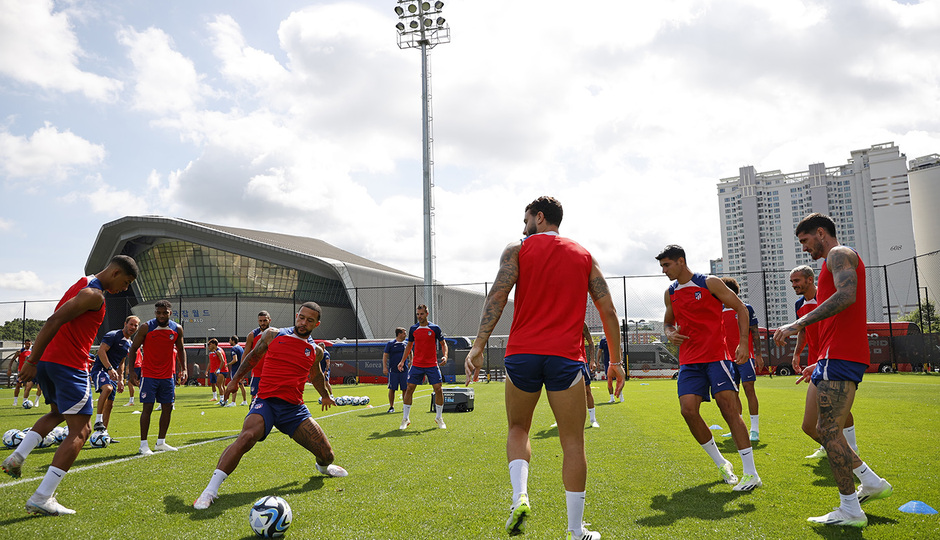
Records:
x=60, y=362
x=842, y=359
x=423, y=338
x=159, y=337
x=111, y=355
x=552, y=276
x=21, y=359
x=693, y=321
x=291, y=360
x=755, y=362
x=802, y=279
x=391, y=358
x=264, y=322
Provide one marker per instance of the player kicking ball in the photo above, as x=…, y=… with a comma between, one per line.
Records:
x=291, y=359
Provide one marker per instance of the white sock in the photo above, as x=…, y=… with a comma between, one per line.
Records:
x=611, y=397
x=755, y=423
x=593, y=412
x=575, y=503
x=712, y=449
x=161, y=441
x=867, y=476
x=15, y=400
x=849, y=433
x=99, y=418
x=850, y=503
x=406, y=412
x=143, y=444
x=215, y=482
x=440, y=410
x=519, y=478
x=132, y=400
x=747, y=459
x=50, y=482
x=30, y=441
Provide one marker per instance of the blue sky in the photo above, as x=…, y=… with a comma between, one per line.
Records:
x=304, y=118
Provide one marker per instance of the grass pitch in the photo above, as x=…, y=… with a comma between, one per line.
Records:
x=647, y=476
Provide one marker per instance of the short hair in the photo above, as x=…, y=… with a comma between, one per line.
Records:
x=163, y=303
x=549, y=207
x=671, y=252
x=399, y=331
x=807, y=272
x=233, y=338
x=263, y=313
x=27, y=340
x=810, y=223
x=129, y=317
x=732, y=284
x=313, y=306
x=213, y=341
x=421, y=306
x=126, y=264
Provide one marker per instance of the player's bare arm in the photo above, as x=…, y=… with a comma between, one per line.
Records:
x=669, y=324
x=87, y=299
x=800, y=345
x=495, y=302
x=180, y=356
x=754, y=332
x=260, y=347
x=589, y=347
x=317, y=379
x=443, y=352
x=405, y=355
x=384, y=363
x=842, y=263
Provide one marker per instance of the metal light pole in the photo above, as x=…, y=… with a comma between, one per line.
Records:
x=421, y=26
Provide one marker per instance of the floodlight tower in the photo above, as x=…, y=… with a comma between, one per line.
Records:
x=421, y=25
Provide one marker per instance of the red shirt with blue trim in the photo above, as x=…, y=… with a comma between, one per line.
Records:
x=729, y=319
x=698, y=315
x=259, y=366
x=844, y=336
x=160, y=350
x=811, y=332
x=287, y=367
x=425, y=338
x=71, y=346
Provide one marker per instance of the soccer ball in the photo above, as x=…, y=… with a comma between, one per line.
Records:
x=27, y=404
x=365, y=400
x=340, y=400
x=12, y=438
x=270, y=517
x=99, y=439
x=47, y=441
x=60, y=433
x=356, y=400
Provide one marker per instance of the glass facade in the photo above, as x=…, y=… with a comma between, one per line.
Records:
x=183, y=269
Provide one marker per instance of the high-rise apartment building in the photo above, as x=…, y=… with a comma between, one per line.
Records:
x=867, y=198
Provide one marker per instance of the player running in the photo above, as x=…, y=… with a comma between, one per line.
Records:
x=110, y=357
x=755, y=362
x=291, y=360
x=423, y=339
x=842, y=359
x=60, y=362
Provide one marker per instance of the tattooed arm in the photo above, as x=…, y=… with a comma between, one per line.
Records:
x=600, y=294
x=495, y=302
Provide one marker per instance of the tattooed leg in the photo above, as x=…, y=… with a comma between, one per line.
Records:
x=835, y=401
x=309, y=435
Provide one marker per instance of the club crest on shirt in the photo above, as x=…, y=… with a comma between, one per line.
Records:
x=698, y=295
x=307, y=352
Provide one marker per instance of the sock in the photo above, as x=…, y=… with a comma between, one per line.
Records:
x=407, y=411
x=161, y=441
x=712, y=449
x=143, y=444
x=747, y=459
x=849, y=433
x=132, y=400
x=215, y=482
x=99, y=418
x=850, y=503
x=755, y=423
x=866, y=475
x=575, y=503
x=519, y=478
x=440, y=410
x=593, y=413
x=50, y=482
x=215, y=395
x=611, y=397
x=30, y=441
x=15, y=400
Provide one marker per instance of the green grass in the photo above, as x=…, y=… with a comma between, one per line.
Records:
x=647, y=476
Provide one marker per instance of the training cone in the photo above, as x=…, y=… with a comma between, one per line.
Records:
x=716, y=427
x=917, y=507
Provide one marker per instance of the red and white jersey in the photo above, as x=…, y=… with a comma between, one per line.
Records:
x=424, y=340
x=811, y=332
x=71, y=345
x=698, y=315
x=217, y=361
x=729, y=319
x=551, y=297
x=844, y=336
x=159, y=350
x=23, y=355
x=287, y=367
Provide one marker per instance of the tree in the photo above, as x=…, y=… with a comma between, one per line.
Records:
x=13, y=330
x=929, y=324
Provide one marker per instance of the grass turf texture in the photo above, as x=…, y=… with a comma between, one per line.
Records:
x=647, y=477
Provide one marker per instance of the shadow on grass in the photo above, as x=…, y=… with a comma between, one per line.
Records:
x=17, y=520
x=174, y=504
x=398, y=433
x=727, y=446
x=695, y=502
x=823, y=473
x=829, y=531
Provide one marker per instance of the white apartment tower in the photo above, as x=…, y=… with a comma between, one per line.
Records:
x=867, y=198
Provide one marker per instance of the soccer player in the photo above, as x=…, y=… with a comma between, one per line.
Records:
x=264, y=322
x=693, y=321
x=391, y=358
x=111, y=355
x=237, y=353
x=803, y=281
x=60, y=362
x=159, y=338
x=325, y=368
x=842, y=360
x=755, y=362
x=21, y=359
x=216, y=375
x=129, y=380
x=291, y=360
x=423, y=338
x=589, y=368
x=552, y=276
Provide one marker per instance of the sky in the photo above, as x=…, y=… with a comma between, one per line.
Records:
x=304, y=118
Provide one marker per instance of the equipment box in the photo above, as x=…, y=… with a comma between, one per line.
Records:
x=456, y=400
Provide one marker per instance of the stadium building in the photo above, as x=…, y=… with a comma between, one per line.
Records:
x=218, y=279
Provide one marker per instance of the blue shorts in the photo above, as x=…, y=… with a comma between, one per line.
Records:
x=528, y=372
x=253, y=385
x=397, y=380
x=157, y=390
x=137, y=371
x=838, y=370
x=587, y=375
x=746, y=371
x=699, y=378
x=100, y=379
x=416, y=375
x=220, y=377
x=68, y=388
x=279, y=414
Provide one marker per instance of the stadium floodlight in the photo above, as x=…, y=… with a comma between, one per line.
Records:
x=417, y=30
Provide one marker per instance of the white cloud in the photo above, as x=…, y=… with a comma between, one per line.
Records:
x=47, y=154
x=38, y=46
x=5, y=224
x=24, y=280
x=165, y=81
x=241, y=63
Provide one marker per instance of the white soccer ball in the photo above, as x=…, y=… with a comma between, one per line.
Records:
x=356, y=400
x=99, y=439
x=60, y=433
x=47, y=441
x=365, y=400
x=270, y=517
x=12, y=438
x=27, y=404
